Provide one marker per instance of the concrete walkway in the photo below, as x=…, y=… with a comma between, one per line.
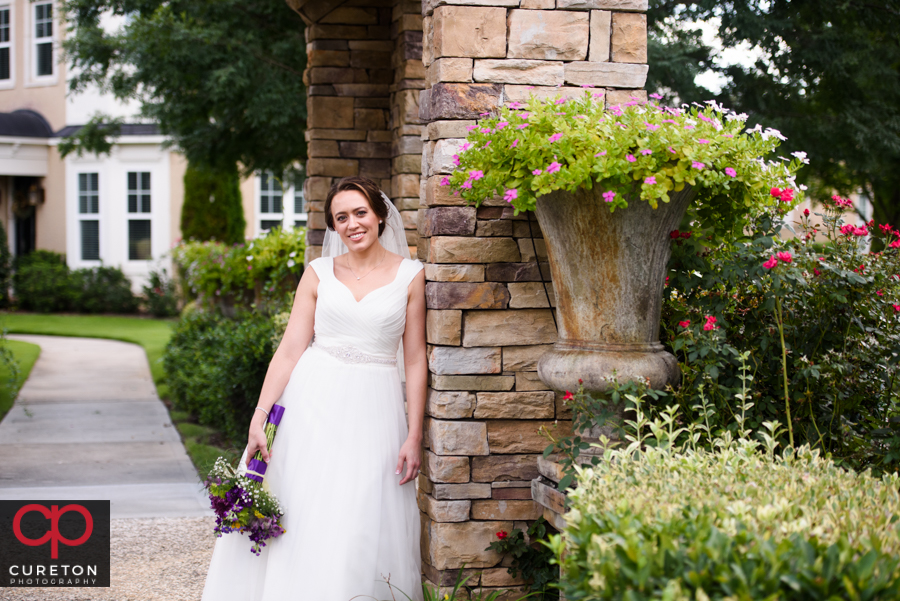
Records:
x=88, y=425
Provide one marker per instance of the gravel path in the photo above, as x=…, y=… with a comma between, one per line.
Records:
x=153, y=559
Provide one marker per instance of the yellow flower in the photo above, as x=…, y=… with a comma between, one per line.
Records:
x=258, y=514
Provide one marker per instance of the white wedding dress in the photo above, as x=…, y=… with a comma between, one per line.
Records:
x=349, y=526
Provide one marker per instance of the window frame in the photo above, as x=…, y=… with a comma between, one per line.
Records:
x=34, y=42
x=288, y=217
x=141, y=213
x=6, y=84
x=89, y=216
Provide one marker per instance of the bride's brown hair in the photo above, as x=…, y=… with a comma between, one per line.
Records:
x=368, y=188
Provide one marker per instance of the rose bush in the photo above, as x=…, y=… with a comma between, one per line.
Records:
x=636, y=150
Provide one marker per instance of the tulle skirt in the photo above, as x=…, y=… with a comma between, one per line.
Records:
x=349, y=526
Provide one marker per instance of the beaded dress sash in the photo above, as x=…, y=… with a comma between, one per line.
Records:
x=351, y=354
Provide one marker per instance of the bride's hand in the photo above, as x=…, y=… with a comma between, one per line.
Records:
x=256, y=441
x=409, y=453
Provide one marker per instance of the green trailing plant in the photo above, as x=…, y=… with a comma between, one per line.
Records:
x=663, y=519
x=634, y=152
x=531, y=558
x=264, y=271
x=41, y=282
x=212, y=208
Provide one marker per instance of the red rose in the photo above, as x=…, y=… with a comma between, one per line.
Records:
x=502, y=534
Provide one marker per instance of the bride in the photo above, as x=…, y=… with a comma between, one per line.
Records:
x=344, y=460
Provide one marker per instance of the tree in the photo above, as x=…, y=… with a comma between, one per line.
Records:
x=221, y=78
x=212, y=206
x=828, y=77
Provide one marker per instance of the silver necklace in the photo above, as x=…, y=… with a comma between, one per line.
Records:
x=359, y=277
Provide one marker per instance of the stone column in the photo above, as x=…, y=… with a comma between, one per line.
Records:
x=349, y=74
x=489, y=308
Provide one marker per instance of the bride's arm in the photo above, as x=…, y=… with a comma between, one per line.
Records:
x=295, y=340
x=416, y=366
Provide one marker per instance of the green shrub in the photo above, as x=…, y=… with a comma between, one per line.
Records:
x=41, y=282
x=821, y=327
x=264, y=271
x=160, y=294
x=102, y=290
x=654, y=521
x=212, y=208
x=44, y=283
x=215, y=368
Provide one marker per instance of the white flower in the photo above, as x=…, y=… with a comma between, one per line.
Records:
x=801, y=156
x=291, y=263
x=773, y=132
x=250, y=258
x=755, y=130
x=293, y=254
x=804, y=187
x=732, y=116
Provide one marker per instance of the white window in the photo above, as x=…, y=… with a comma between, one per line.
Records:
x=139, y=230
x=89, y=215
x=43, y=39
x=279, y=207
x=5, y=44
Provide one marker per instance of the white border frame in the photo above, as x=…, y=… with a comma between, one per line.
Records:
x=9, y=84
x=33, y=80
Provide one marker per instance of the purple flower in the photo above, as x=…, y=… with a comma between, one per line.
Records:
x=602, y=153
x=553, y=167
x=467, y=184
x=522, y=126
x=511, y=195
x=502, y=124
x=672, y=121
x=488, y=143
x=465, y=147
x=587, y=85
x=630, y=158
x=456, y=160
x=560, y=101
x=672, y=150
x=445, y=181
x=472, y=128
x=731, y=172
x=646, y=151
x=555, y=137
x=484, y=114
x=689, y=126
x=485, y=130
x=536, y=172
x=525, y=115
x=609, y=196
x=581, y=116
x=698, y=165
x=656, y=96
x=514, y=105
x=702, y=141
x=515, y=143
x=597, y=95
x=476, y=174
x=650, y=180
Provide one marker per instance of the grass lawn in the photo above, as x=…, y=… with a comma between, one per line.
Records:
x=26, y=354
x=203, y=444
x=152, y=334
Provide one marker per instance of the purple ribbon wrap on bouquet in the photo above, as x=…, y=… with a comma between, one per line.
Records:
x=256, y=467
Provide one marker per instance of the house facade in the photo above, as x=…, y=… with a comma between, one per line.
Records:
x=122, y=209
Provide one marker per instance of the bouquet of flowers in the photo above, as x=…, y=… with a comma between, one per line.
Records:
x=240, y=501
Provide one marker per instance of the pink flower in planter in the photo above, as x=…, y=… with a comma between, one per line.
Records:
x=467, y=184
x=730, y=172
x=656, y=96
x=476, y=174
x=772, y=262
x=602, y=153
x=488, y=143
x=555, y=137
x=702, y=141
x=522, y=126
x=710, y=323
x=456, y=160
x=650, y=180
x=609, y=196
x=646, y=151
x=515, y=143
x=511, y=195
x=465, y=147
x=672, y=121
x=553, y=167
x=587, y=85
x=651, y=126
x=698, y=165
x=486, y=130
x=672, y=150
x=502, y=124
x=785, y=257
x=472, y=128
x=630, y=158
x=536, y=172
x=514, y=105
x=445, y=181
x=560, y=101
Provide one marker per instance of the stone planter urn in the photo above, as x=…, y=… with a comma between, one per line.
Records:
x=609, y=271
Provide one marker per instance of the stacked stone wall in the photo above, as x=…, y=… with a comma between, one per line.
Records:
x=489, y=302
